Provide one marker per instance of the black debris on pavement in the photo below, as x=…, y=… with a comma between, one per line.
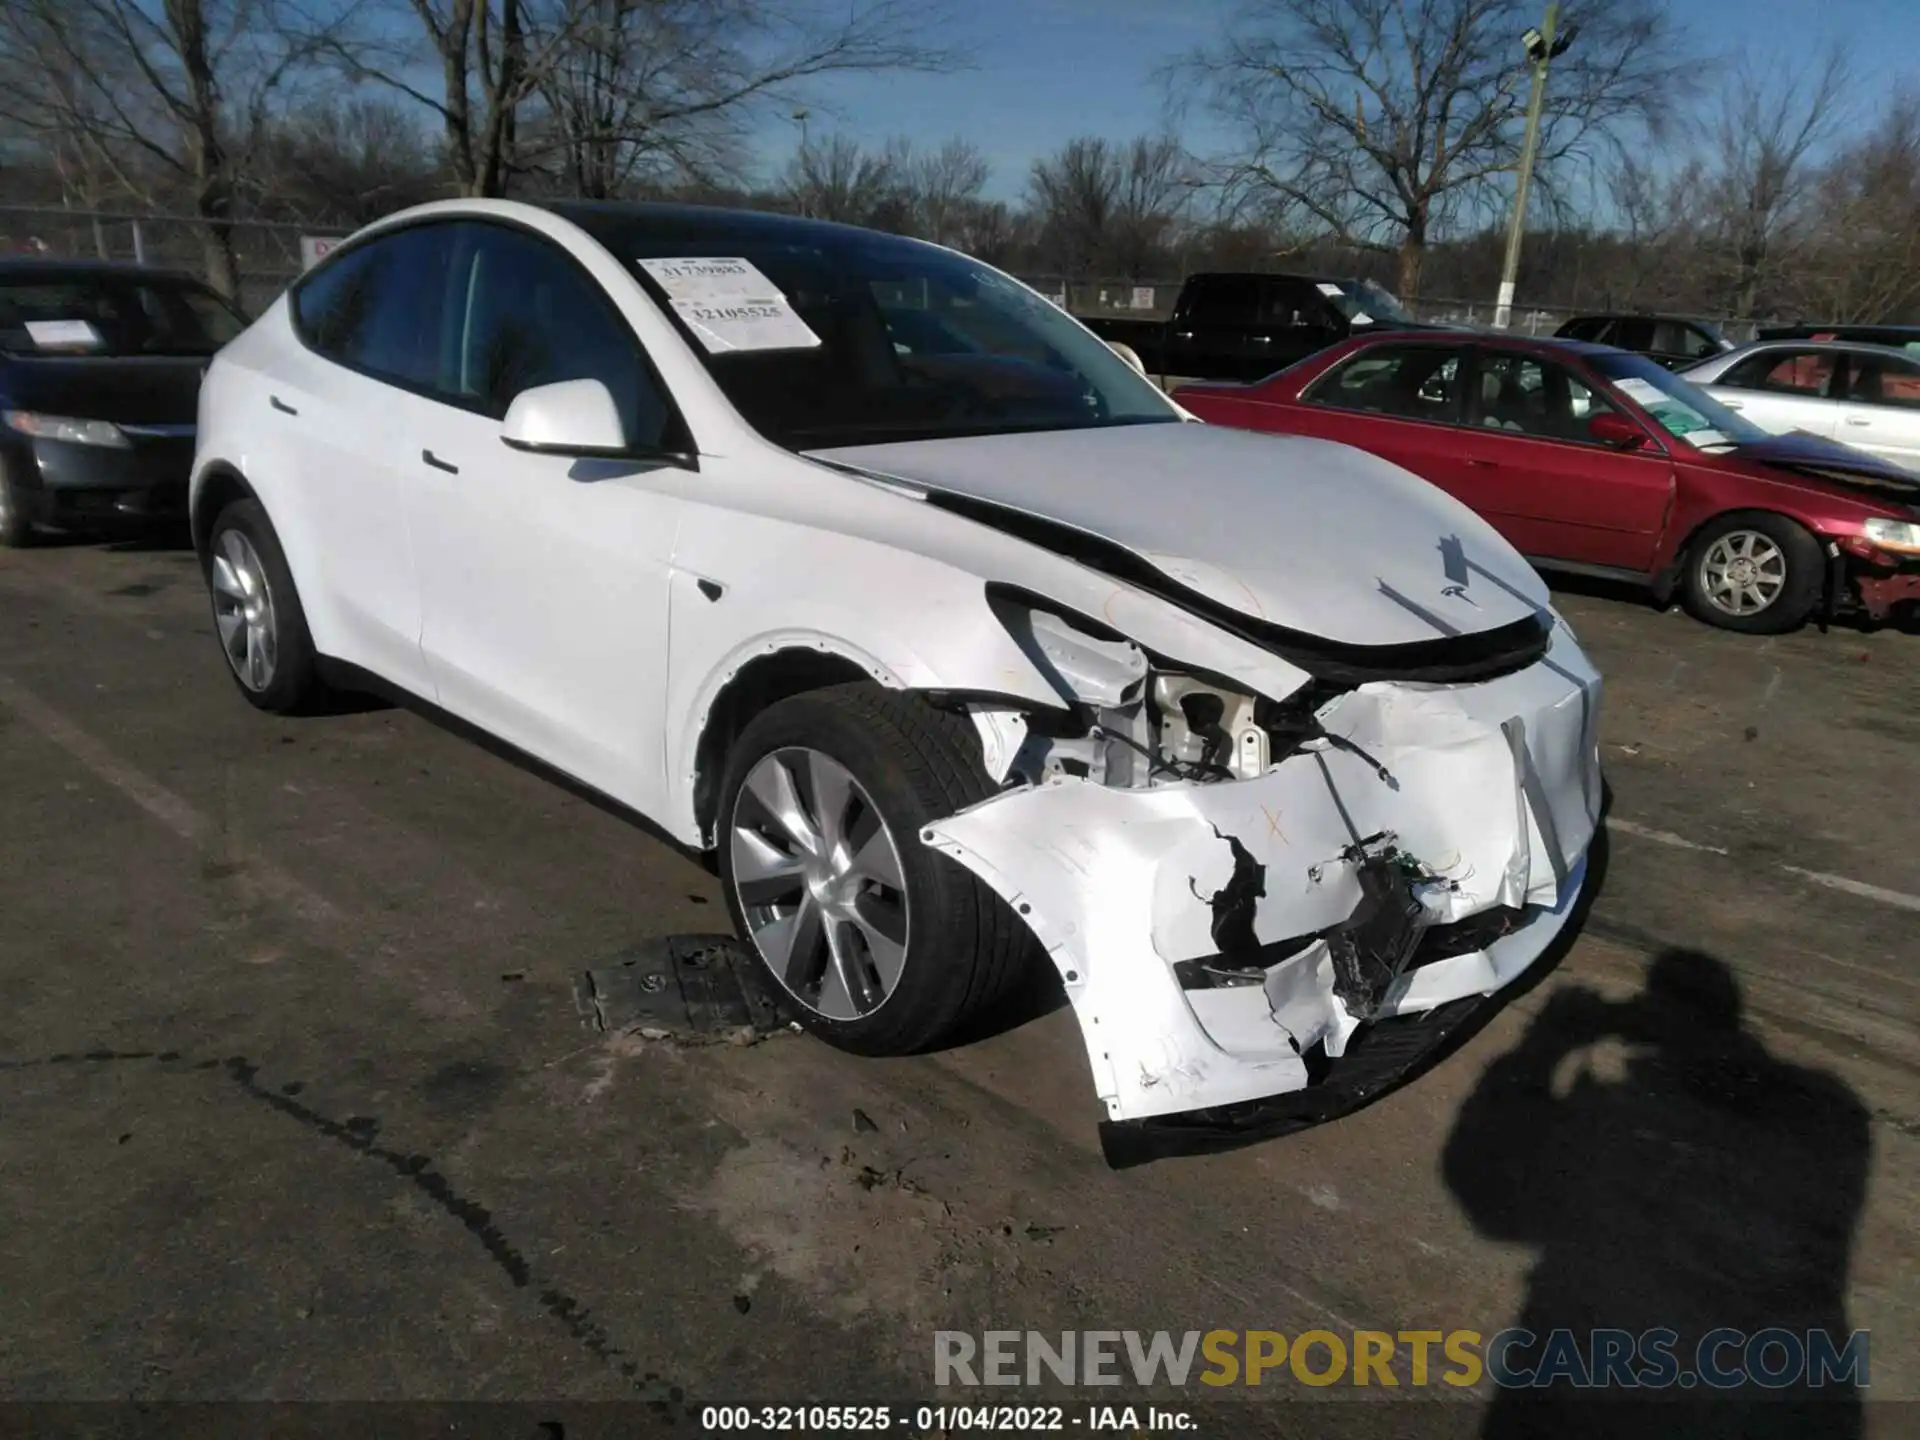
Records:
x=689, y=986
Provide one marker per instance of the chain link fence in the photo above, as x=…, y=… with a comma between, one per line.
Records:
x=270, y=254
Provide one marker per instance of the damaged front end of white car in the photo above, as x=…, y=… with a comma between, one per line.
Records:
x=1232, y=887
x=1247, y=886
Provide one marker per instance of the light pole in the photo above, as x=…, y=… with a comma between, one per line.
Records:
x=1542, y=45
x=799, y=117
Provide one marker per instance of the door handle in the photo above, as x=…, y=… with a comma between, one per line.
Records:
x=1731, y=404
x=1484, y=464
x=437, y=463
x=1858, y=420
x=1261, y=339
x=282, y=406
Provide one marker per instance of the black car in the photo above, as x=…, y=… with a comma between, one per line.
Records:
x=1672, y=340
x=100, y=370
x=1244, y=326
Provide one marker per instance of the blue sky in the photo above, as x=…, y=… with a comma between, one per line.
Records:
x=1046, y=70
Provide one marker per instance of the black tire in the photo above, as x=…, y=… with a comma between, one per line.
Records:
x=967, y=954
x=1795, y=598
x=16, y=513
x=295, y=680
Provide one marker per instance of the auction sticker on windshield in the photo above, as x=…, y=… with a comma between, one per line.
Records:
x=63, y=334
x=1676, y=418
x=730, y=305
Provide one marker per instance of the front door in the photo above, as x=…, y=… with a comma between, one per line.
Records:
x=1784, y=390
x=544, y=578
x=1553, y=490
x=1882, y=410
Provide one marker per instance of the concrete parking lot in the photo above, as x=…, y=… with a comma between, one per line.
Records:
x=295, y=1102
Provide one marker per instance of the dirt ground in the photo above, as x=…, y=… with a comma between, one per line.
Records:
x=296, y=1103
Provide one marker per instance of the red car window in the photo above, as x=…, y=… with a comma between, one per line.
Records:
x=1530, y=396
x=1416, y=382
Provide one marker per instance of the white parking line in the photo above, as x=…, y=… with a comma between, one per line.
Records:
x=268, y=879
x=1879, y=893
x=1857, y=887
x=1661, y=837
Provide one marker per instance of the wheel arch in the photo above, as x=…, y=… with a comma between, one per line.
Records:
x=216, y=487
x=1667, y=582
x=762, y=681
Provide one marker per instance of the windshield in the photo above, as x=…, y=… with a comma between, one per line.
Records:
x=1363, y=302
x=114, y=315
x=1678, y=406
x=823, y=340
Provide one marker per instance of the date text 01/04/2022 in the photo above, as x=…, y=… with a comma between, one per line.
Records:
x=942, y=1419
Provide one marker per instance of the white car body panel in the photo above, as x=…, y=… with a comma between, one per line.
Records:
x=1891, y=432
x=593, y=612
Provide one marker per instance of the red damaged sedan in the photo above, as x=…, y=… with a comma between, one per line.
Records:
x=1599, y=461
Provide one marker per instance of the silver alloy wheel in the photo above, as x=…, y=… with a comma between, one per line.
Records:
x=243, y=610
x=1743, y=572
x=818, y=879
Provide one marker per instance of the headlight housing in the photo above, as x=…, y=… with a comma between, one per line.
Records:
x=1902, y=536
x=63, y=427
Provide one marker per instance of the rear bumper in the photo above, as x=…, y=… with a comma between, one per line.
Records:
x=1223, y=943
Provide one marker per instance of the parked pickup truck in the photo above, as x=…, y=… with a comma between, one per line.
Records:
x=1228, y=326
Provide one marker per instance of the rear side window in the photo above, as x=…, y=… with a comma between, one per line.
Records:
x=378, y=307
x=1587, y=327
x=1789, y=372
x=1628, y=333
x=1884, y=380
x=1415, y=382
x=1224, y=300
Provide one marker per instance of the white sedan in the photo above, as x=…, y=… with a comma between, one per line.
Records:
x=861, y=569
x=1866, y=396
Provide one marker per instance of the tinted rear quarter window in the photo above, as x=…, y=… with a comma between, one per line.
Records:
x=1415, y=382
x=1223, y=299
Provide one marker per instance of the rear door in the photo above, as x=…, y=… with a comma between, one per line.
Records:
x=1782, y=390
x=1881, y=413
x=1533, y=469
x=1401, y=401
x=1210, y=337
x=370, y=321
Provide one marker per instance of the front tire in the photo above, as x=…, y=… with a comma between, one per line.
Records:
x=1756, y=573
x=881, y=945
x=256, y=612
x=16, y=513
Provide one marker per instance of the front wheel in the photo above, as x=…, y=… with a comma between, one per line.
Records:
x=1756, y=573
x=16, y=514
x=882, y=945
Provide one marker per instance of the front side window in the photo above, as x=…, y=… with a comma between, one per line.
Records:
x=1525, y=394
x=1221, y=300
x=1678, y=406
x=113, y=314
x=1790, y=372
x=377, y=307
x=1884, y=380
x=1414, y=382
x=531, y=317
x=875, y=339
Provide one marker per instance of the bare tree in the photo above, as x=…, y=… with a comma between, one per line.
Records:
x=1382, y=121
x=1098, y=205
x=161, y=103
x=838, y=179
x=1865, y=263
x=653, y=89
x=944, y=189
x=347, y=162
x=1766, y=136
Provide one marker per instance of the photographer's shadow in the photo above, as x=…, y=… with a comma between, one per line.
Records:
x=1673, y=1173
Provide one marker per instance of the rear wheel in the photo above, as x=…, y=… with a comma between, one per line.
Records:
x=256, y=611
x=1756, y=573
x=882, y=945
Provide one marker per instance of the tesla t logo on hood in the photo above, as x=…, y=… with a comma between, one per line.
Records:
x=1459, y=592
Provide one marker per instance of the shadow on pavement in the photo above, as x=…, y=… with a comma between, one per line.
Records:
x=1670, y=1172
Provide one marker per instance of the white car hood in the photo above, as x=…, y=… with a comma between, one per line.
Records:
x=1313, y=536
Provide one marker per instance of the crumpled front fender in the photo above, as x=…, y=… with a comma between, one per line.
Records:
x=1491, y=791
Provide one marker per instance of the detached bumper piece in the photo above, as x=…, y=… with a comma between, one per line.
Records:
x=1380, y=1057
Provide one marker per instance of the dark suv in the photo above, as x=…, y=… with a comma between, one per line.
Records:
x=1670, y=339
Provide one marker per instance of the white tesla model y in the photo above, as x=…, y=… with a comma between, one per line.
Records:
x=862, y=569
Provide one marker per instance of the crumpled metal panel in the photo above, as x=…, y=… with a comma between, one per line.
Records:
x=1494, y=788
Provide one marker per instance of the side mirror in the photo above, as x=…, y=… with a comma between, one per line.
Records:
x=569, y=417
x=1612, y=428
x=1128, y=354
